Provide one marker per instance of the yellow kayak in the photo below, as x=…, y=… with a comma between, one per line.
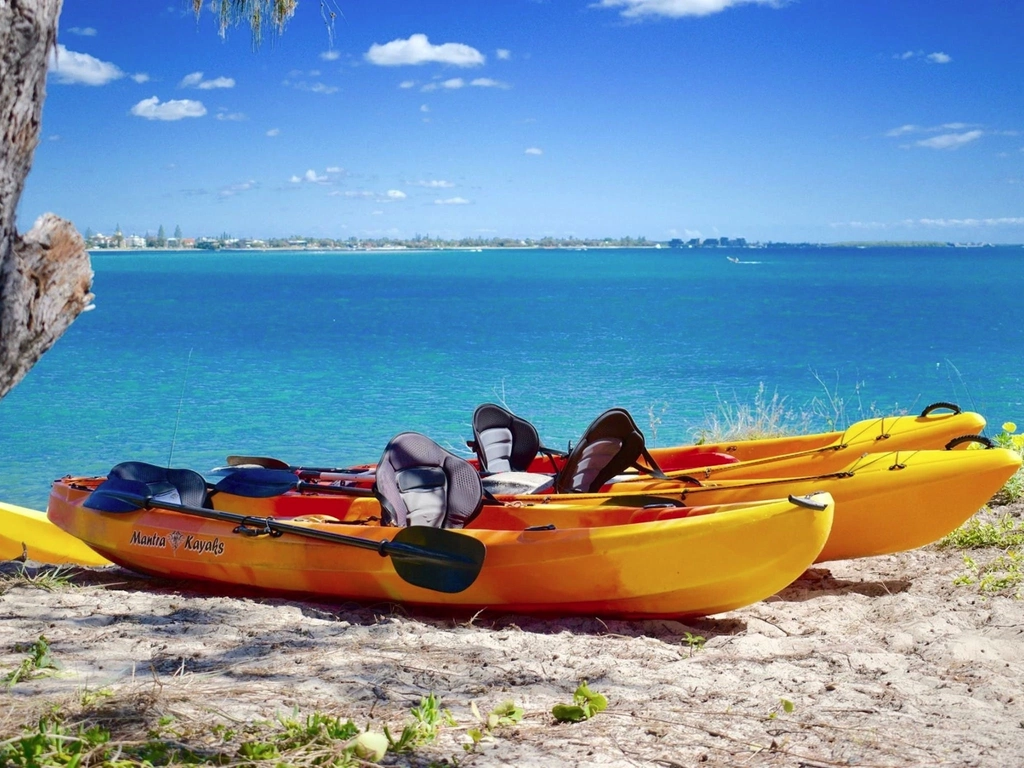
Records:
x=687, y=566
x=885, y=502
x=27, y=531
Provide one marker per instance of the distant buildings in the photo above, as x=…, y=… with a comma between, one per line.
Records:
x=711, y=242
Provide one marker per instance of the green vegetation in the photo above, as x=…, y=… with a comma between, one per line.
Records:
x=50, y=578
x=505, y=714
x=101, y=735
x=767, y=416
x=1000, y=576
x=1004, y=533
x=585, y=704
x=39, y=661
x=694, y=642
x=785, y=705
x=1013, y=490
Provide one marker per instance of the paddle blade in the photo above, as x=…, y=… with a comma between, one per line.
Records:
x=266, y=462
x=257, y=483
x=116, y=494
x=436, y=559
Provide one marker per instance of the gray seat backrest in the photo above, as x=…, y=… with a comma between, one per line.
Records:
x=503, y=442
x=420, y=483
x=610, y=444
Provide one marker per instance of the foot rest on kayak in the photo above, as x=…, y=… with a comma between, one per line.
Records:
x=517, y=483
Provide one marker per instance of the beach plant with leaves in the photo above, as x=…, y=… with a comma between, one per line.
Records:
x=585, y=704
x=38, y=662
x=96, y=735
x=1001, y=573
x=1013, y=490
x=506, y=714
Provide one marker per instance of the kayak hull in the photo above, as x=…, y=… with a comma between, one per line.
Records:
x=666, y=568
x=886, y=502
x=27, y=532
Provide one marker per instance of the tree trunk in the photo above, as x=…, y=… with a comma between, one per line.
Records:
x=45, y=276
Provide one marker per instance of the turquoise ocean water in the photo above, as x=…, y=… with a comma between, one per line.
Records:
x=322, y=357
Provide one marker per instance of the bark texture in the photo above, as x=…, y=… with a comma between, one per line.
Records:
x=45, y=276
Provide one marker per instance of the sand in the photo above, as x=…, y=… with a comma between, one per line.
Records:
x=878, y=662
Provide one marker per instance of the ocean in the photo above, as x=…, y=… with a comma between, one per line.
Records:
x=322, y=357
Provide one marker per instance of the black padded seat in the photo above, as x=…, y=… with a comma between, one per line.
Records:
x=503, y=442
x=420, y=483
x=611, y=444
x=178, y=486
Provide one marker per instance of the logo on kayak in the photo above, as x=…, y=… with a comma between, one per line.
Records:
x=151, y=540
x=188, y=542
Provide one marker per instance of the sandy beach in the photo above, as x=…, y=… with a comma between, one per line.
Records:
x=877, y=662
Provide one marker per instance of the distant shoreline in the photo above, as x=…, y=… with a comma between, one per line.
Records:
x=482, y=248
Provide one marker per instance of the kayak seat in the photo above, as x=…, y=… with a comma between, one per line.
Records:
x=609, y=445
x=502, y=441
x=420, y=483
x=178, y=486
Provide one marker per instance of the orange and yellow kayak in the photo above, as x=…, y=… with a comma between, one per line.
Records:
x=886, y=502
x=776, y=457
x=682, y=566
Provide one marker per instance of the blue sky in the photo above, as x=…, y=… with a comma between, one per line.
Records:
x=820, y=120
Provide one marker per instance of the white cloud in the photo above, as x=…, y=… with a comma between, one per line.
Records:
x=903, y=130
x=994, y=222
x=71, y=68
x=217, y=82
x=407, y=84
x=504, y=54
x=452, y=201
x=486, y=82
x=176, y=109
x=1006, y=221
x=236, y=189
x=195, y=80
x=302, y=85
x=311, y=176
x=434, y=184
x=950, y=140
x=83, y=31
x=140, y=77
x=223, y=114
x=274, y=132
x=933, y=58
x=534, y=151
x=418, y=50
x=335, y=169
x=424, y=108
x=330, y=55
x=294, y=179
x=451, y=84
x=396, y=194
x=675, y=9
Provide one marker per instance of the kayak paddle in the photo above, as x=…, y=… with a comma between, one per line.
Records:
x=432, y=558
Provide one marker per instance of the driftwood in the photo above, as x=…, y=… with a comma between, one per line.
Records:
x=45, y=276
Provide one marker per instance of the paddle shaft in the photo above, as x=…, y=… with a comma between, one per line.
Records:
x=384, y=547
